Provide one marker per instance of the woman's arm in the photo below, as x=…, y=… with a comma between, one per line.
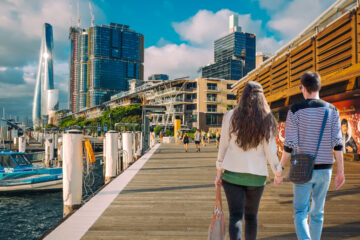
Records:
x=224, y=141
x=270, y=149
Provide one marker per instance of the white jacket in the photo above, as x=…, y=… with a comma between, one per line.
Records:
x=233, y=158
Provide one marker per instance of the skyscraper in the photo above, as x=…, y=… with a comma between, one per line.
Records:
x=103, y=59
x=234, y=54
x=44, y=78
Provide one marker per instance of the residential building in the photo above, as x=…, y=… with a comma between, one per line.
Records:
x=103, y=60
x=198, y=103
x=234, y=54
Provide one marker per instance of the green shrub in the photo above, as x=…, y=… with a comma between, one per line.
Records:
x=168, y=133
x=157, y=130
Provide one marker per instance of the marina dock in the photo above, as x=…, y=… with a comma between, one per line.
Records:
x=169, y=194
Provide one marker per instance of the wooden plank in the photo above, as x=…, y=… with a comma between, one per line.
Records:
x=172, y=197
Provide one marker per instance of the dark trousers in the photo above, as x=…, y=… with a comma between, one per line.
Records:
x=242, y=200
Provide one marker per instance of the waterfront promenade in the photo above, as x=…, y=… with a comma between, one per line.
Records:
x=172, y=196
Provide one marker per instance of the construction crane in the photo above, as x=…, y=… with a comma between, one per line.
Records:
x=92, y=14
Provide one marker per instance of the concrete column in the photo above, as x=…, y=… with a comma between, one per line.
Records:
x=22, y=144
x=72, y=170
x=127, y=146
x=111, y=155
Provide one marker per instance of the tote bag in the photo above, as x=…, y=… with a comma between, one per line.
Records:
x=217, y=226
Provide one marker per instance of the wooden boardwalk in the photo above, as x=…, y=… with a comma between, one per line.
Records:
x=172, y=197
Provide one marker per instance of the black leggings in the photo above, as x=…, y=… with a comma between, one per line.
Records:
x=242, y=199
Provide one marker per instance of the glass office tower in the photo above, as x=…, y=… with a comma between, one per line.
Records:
x=45, y=76
x=234, y=55
x=106, y=58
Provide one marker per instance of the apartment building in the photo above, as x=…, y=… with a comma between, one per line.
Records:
x=198, y=103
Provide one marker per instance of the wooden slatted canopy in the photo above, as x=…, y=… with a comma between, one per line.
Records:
x=333, y=51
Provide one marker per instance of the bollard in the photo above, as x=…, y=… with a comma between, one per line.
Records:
x=72, y=170
x=59, y=152
x=56, y=137
x=111, y=155
x=22, y=144
x=127, y=146
x=49, y=151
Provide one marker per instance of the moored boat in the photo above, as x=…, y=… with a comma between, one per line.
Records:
x=18, y=174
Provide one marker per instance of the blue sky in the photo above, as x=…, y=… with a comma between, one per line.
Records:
x=179, y=35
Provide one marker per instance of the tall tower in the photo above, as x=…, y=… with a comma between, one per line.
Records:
x=234, y=54
x=103, y=59
x=45, y=76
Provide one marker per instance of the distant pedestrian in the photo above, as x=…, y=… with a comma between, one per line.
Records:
x=208, y=136
x=186, y=142
x=203, y=138
x=217, y=138
x=197, y=138
x=161, y=135
x=247, y=143
x=303, y=128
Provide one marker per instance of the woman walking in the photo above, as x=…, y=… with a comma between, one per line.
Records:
x=247, y=141
x=186, y=141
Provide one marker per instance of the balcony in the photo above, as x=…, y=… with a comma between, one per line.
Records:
x=213, y=89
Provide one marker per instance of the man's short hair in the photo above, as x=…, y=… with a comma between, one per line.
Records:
x=311, y=81
x=344, y=121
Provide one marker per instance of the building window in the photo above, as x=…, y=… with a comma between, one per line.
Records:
x=231, y=97
x=190, y=106
x=179, y=98
x=212, y=86
x=191, y=86
x=228, y=86
x=212, y=119
x=211, y=97
x=178, y=108
x=193, y=118
x=191, y=96
x=211, y=108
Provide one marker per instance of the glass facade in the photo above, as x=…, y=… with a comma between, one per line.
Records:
x=234, y=56
x=45, y=76
x=103, y=60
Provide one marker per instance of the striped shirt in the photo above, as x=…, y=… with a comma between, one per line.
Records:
x=302, y=130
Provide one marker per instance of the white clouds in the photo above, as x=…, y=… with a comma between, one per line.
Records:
x=206, y=26
x=200, y=31
x=176, y=60
x=296, y=16
x=269, y=45
x=272, y=4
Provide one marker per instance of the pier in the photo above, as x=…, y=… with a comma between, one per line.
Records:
x=169, y=194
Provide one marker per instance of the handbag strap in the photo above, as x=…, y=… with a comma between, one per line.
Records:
x=218, y=200
x=322, y=128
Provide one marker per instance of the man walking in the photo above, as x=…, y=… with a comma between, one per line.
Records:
x=302, y=130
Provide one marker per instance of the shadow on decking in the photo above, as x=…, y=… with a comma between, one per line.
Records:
x=343, y=231
x=171, y=168
x=330, y=195
x=168, y=188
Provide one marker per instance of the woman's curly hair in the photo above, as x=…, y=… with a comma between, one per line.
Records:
x=252, y=120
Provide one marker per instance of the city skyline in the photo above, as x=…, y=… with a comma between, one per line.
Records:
x=178, y=39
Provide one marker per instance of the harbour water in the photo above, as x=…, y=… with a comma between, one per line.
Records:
x=30, y=215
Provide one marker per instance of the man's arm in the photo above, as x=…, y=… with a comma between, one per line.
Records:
x=340, y=177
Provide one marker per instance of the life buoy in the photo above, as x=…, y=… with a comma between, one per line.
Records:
x=89, y=151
